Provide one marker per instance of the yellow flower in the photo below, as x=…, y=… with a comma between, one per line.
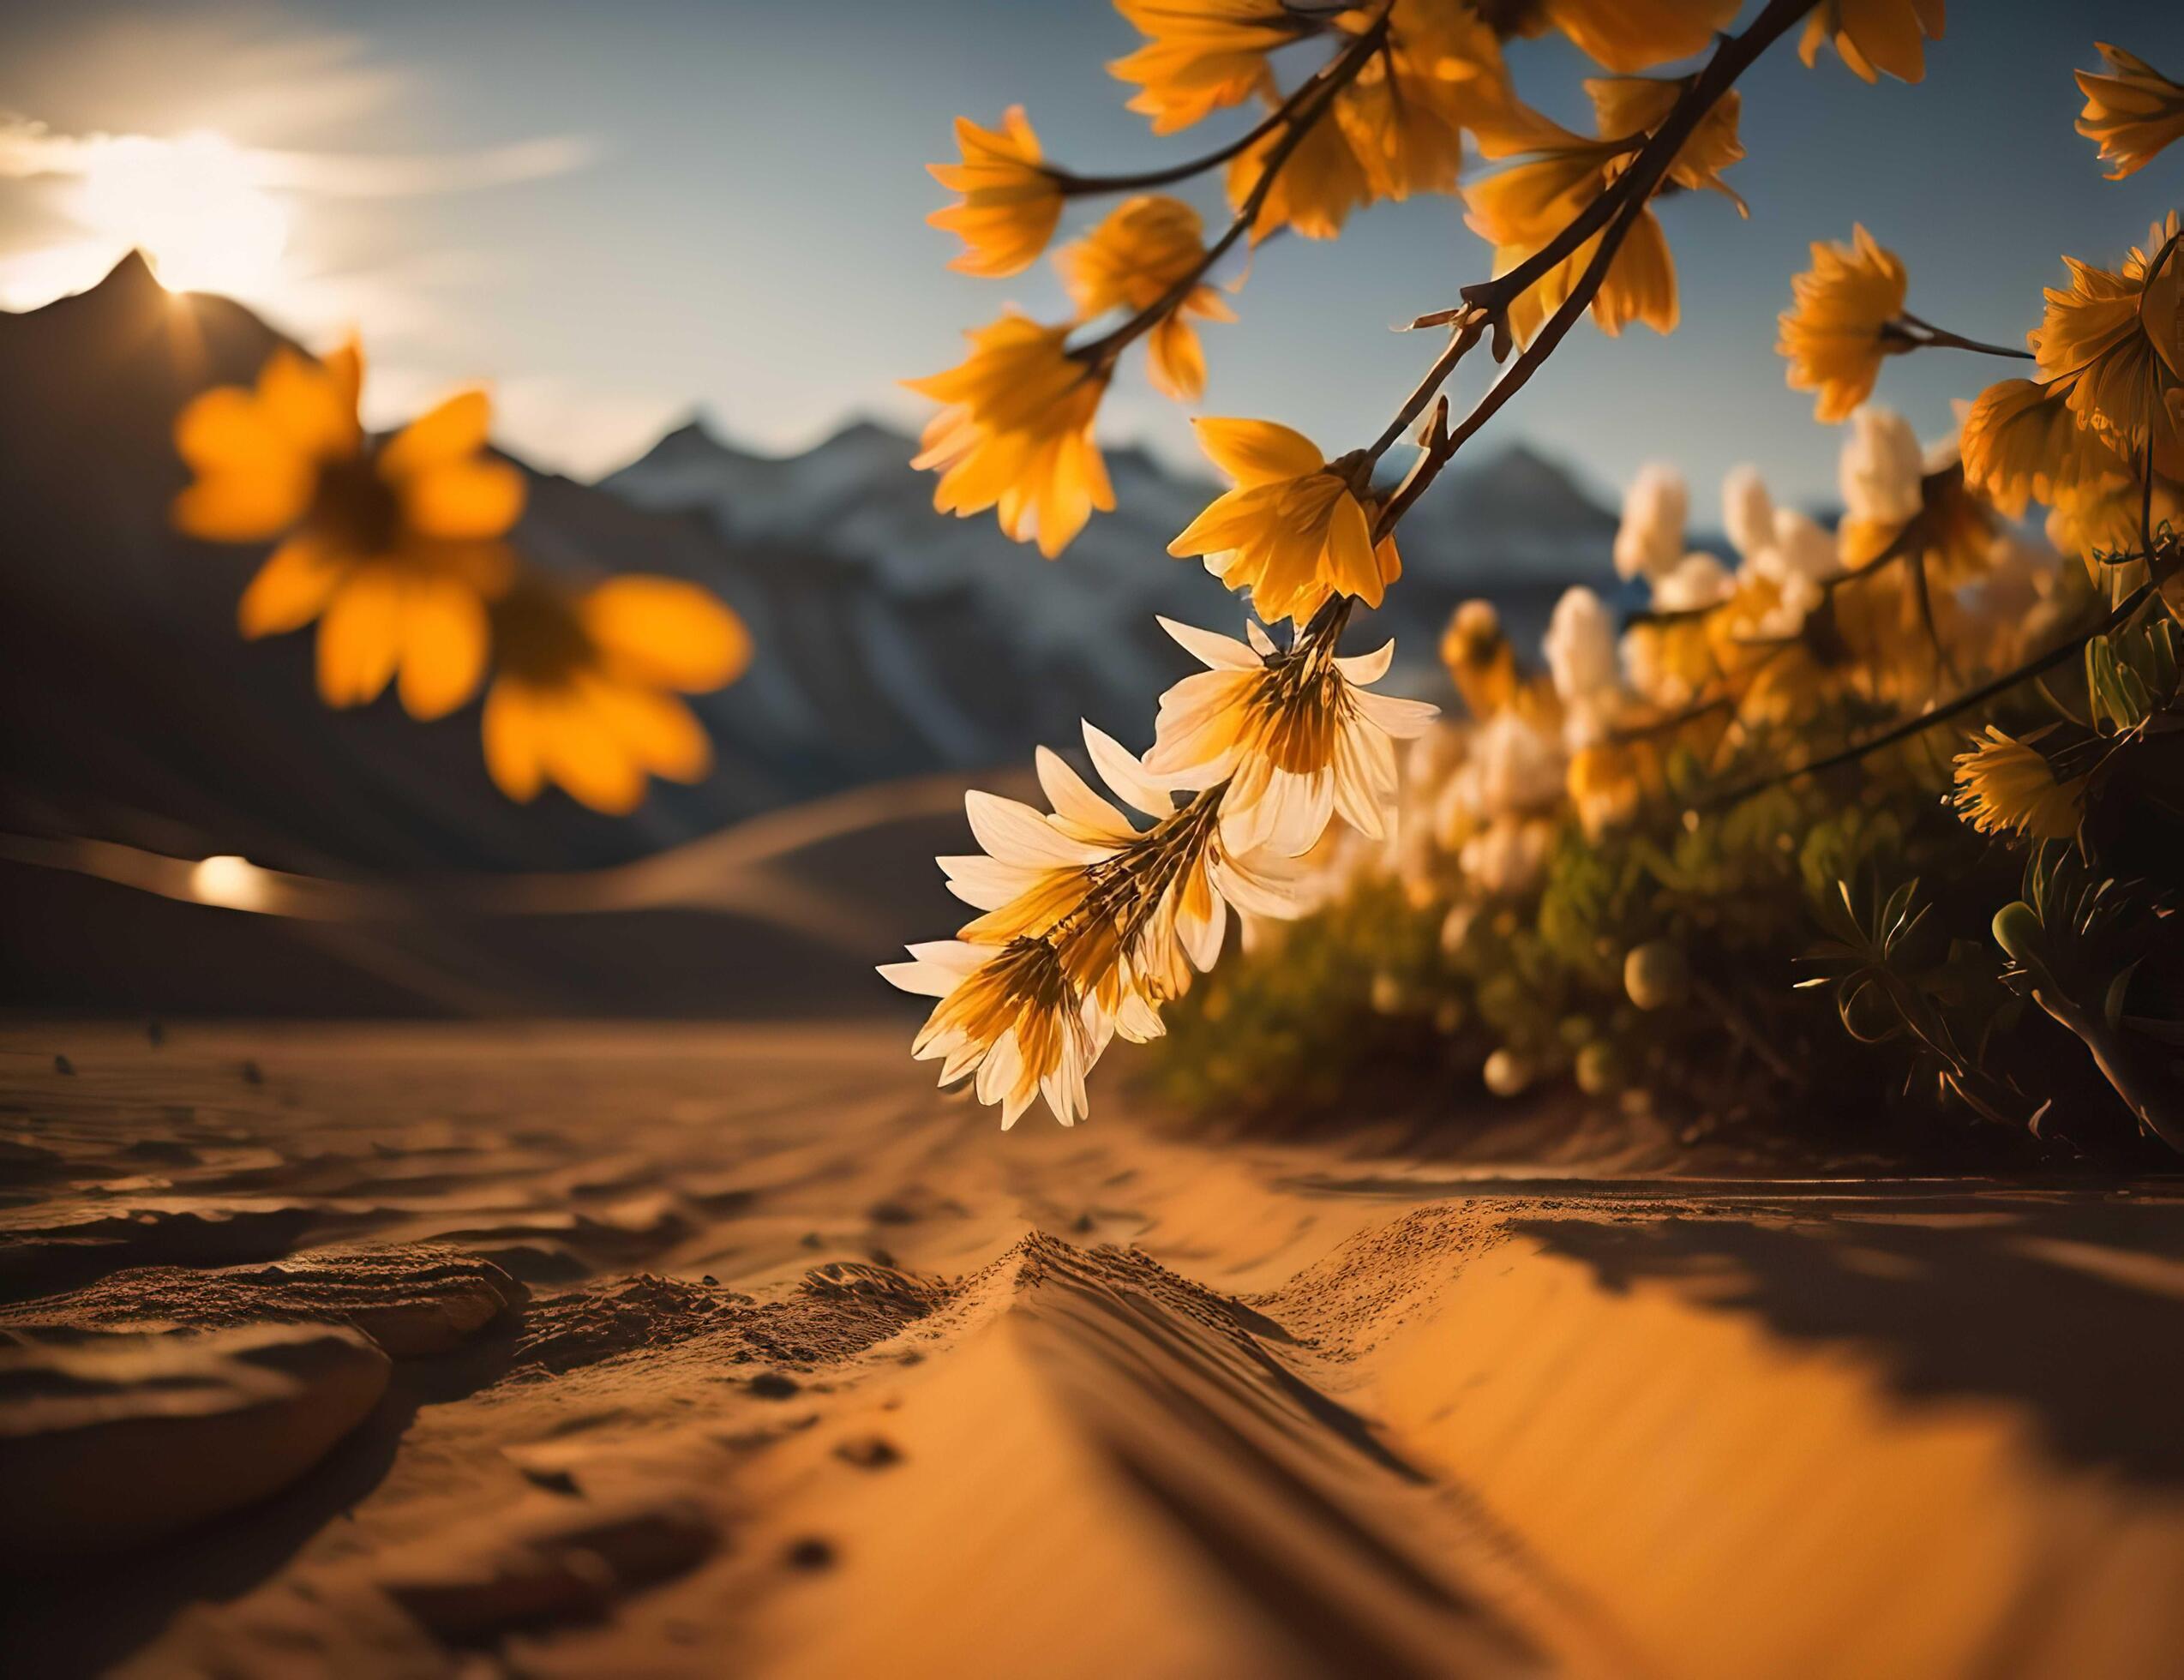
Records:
x=2005, y=785
x=2119, y=339
x=1010, y=201
x=1875, y=35
x=1202, y=55
x=1833, y=337
x=2110, y=355
x=585, y=692
x=1090, y=923
x=1623, y=35
x=1294, y=734
x=1009, y=1017
x=393, y=547
x=1522, y=208
x=1016, y=433
x=1481, y=662
x=2021, y=443
x=2133, y=111
x=1320, y=183
x=1295, y=531
x=1131, y=260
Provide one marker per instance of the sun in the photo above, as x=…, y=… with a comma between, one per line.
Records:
x=193, y=205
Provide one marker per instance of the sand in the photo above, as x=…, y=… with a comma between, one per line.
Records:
x=573, y=1350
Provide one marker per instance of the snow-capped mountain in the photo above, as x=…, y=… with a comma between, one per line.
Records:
x=1048, y=642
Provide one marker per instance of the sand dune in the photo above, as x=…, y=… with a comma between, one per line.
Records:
x=742, y=1348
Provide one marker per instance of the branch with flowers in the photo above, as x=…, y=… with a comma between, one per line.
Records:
x=1273, y=742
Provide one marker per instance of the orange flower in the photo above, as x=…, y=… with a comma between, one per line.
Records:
x=1016, y=433
x=2110, y=353
x=1623, y=35
x=585, y=692
x=1202, y=55
x=1010, y=203
x=1131, y=260
x=1833, y=336
x=1320, y=183
x=1875, y=35
x=1522, y=208
x=2133, y=111
x=1295, y=531
x=393, y=547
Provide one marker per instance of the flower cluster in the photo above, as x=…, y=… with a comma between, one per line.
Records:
x=1090, y=923
x=1656, y=790
x=399, y=549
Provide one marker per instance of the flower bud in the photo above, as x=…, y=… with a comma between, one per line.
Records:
x=1656, y=976
x=1506, y=1073
x=1596, y=1072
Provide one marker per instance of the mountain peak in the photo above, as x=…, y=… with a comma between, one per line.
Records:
x=131, y=276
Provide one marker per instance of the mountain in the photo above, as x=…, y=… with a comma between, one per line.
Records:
x=891, y=642
x=1075, y=636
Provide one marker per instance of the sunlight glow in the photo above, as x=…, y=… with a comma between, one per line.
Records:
x=193, y=205
x=233, y=883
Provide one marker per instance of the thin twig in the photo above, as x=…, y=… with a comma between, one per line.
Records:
x=1613, y=215
x=1338, y=74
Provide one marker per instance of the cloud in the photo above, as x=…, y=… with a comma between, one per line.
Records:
x=30, y=149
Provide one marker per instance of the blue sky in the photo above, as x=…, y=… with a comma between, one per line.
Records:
x=720, y=207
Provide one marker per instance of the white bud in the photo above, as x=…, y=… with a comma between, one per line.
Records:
x=1506, y=1073
x=1747, y=511
x=1651, y=537
x=1580, y=646
x=1881, y=467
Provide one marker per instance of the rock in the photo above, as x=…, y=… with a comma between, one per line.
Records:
x=107, y=1440
x=414, y=1300
x=472, y=1586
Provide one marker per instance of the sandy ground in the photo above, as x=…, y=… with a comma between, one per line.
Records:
x=692, y=1351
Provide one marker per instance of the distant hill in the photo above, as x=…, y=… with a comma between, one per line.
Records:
x=891, y=642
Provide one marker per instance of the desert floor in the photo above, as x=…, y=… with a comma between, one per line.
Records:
x=651, y=1351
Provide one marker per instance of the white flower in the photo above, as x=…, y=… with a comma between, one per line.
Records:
x=1650, y=540
x=1295, y=735
x=1580, y=647
x=1508, y=856
x=1697, y=582
x=1515, y=767
x=1090, y=922
x=1801, y=548
x=1880, y=468
x=1747, y=511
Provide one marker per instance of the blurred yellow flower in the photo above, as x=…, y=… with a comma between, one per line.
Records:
x=1010, y=203
x=1202, y=55
x=1871, y=36
x=1833, y=336
x=585, y=692
x=1131, y=260
x=2005, y=786
x=2133, y=111
x=1294, y=530
x=1320, y=183
x=1522, y=208
x=393, y=547
x=1481, y=662
x=1622, y=34
x=1296, y=735
x=1016, y=432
